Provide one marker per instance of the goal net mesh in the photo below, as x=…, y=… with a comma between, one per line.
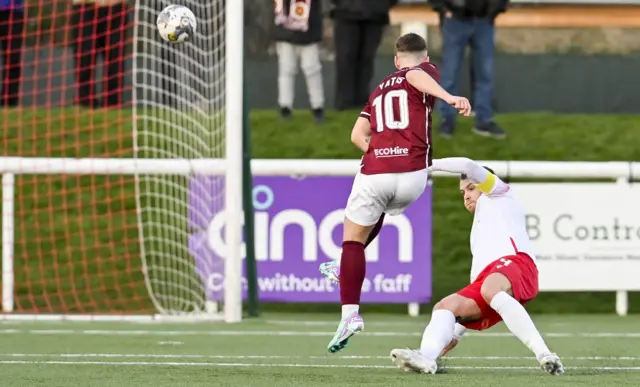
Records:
x=181, y=99
x=98, y=82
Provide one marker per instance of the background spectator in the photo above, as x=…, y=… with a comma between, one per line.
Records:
x=100, y=29
x=298, y=33
x=464, y=22
x=472, y=75
x=12, y=21
x=358, y=28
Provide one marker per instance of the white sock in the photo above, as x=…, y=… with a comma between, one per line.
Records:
x=348, y=310
x=458, y=331
x=519, y=322
x=438, y=334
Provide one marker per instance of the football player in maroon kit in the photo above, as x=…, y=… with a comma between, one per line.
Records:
x=394, y=132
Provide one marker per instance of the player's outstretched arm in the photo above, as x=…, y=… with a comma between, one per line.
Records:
x=475, y=172
x=426, y=84
x=361, y=133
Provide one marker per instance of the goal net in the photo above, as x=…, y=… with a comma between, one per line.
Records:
x=115, y=163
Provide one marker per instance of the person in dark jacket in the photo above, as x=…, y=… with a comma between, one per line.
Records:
x=358, y=28
x=100, y=29
x=463, y=22
x=11, y=28
x=298, y=33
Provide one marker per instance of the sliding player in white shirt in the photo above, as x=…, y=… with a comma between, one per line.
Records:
x=504, y=275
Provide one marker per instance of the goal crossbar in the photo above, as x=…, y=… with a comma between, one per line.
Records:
x=111, y=166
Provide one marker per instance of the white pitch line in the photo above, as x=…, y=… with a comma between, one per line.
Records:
x=583, y=358
x=316, y=323
x=274, y=357
x=422, y=322
x=287, y=365
x=191, y=364
x=126, y=332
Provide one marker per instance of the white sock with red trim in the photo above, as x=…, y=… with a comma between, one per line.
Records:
x=438, y=334
x=519, y=322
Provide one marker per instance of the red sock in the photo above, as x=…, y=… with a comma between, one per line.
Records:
x=352, y=271
x=376, y=230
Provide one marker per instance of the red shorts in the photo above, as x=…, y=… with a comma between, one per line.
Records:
x=521, y=271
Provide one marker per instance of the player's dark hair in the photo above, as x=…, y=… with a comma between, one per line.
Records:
x=464, y=176
x=411, y=43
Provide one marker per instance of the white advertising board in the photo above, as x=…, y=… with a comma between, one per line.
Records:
x=586, y=235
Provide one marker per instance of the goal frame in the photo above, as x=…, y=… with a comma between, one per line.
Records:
x=12, y=166
x=234, y=107
x=231, y=167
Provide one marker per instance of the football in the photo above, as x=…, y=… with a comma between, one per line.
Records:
x=176, y=24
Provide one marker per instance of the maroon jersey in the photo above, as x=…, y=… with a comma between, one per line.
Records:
x=400, y=117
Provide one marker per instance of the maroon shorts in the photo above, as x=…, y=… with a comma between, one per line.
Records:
x=521, y=271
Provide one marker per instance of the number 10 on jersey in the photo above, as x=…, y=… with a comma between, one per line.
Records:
x=387, y=117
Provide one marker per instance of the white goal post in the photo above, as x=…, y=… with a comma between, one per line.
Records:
x=188, y=105
x=12, y=166
x=234, y=106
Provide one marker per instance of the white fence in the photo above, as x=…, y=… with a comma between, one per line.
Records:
x=290, y=167
x=11, y=166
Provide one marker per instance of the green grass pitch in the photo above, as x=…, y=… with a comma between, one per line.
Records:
x=290, y=350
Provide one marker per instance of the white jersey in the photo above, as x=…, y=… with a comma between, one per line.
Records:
x=498, y=227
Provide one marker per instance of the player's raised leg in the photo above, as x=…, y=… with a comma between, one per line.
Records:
x=331, y=269
x=351, y=277
x=498, y=292
x=370, y=195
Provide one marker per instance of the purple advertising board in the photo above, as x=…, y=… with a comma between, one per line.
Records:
x=298, y=225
